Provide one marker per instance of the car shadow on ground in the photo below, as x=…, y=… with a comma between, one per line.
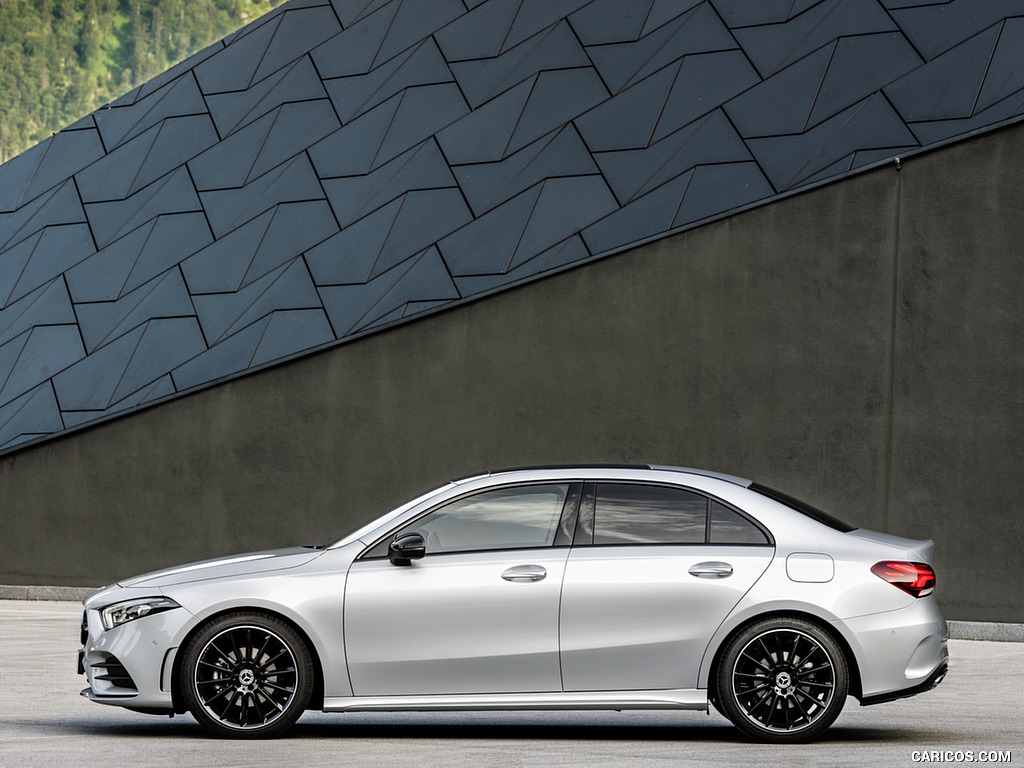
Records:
x=454, y=729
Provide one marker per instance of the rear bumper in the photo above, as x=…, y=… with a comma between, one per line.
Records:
x=933, y=680
x=899, y=653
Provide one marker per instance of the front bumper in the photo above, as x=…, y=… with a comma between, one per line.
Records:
x=130, y=665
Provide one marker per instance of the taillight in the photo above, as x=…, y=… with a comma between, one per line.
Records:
x=915, y=579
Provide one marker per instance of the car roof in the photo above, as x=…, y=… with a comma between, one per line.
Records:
x=740, y=481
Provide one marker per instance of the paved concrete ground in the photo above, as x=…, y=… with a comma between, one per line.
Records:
x=43, y=722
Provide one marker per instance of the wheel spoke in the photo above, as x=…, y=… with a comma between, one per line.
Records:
x=772, y=713
x=275, y=687
x=243, y=716
x=814, y=700
x=213, y=681
x=757, y=662
x=780, y=649
x=256, y=699
x=213, y=697
x=792, y=653
x=816, y=684
x=273, y=702
x=806, y=656
x=804, y=672
x=212, y=665
x=229, y=701
x=234, y=646
x=760, y=701
x=271, y=660
x=220, y=656
x=796, y=701
x=262, y=650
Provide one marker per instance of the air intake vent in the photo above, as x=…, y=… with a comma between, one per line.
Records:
x=115, y=673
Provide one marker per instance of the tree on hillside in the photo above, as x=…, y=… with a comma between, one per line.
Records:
x=62, y=59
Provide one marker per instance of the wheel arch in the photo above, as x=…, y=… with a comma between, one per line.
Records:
x=825, y=626
x=316, y=699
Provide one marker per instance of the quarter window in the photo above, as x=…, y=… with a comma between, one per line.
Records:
x=730, y=527
x=648, y=514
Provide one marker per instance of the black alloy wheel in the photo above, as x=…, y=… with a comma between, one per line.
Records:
x=782, y=680
x=247, y=675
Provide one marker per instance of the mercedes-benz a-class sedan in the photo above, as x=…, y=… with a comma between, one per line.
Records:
x=551, y=588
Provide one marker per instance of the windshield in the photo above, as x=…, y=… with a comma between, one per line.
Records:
x=363, y=530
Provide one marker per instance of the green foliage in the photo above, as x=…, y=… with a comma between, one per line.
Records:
x=62, y=59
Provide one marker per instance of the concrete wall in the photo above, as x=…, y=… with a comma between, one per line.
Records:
x=859, y=345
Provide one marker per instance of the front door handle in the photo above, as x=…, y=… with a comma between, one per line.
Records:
x=713, y=569
x=524, y=573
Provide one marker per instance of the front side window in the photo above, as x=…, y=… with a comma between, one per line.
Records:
x=523, y=517
x=648, y=514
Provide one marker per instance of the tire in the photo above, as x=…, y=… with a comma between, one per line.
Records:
x=782, y=680
x=246, y=676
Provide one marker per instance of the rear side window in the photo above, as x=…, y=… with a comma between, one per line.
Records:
x=648, y=514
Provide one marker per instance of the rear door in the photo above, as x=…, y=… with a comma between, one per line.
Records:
x=653, y=572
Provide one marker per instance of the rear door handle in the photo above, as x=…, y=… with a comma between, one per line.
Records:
x=713, y=569
x=524, y=573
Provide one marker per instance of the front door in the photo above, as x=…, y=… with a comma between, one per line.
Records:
x=477, y=614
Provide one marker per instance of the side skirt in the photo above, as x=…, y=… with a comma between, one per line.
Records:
x=667, y=699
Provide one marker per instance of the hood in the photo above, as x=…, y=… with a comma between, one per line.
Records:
x=924, y=549
x=221, y=567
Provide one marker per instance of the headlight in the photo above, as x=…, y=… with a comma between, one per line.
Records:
x=130, y=610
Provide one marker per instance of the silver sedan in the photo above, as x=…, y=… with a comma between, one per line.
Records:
x=549, y=588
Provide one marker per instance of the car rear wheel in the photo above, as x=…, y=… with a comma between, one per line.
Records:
x=782, y=680
x=247, y=675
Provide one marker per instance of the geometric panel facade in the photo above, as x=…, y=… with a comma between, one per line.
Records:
x=339, y=166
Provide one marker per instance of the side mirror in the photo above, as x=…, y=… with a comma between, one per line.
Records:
x=406, y=548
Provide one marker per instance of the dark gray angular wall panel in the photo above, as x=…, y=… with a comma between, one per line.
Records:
x=46, y=164
x=173, y=193
x=59, y=205
x=554, y=48
x=177, y=98
x=421, y=65
x=697, y=31
x=32, y=416
x=934, y=27
x=49, y=304
x=42, y=257
x=236, y=109
x=560, y=153
x=342, y=165
x=353, y=197
x=165, y=296
x=28, y=361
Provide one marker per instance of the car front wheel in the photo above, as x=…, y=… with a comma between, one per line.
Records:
x=782, y=680
x=247, y=675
